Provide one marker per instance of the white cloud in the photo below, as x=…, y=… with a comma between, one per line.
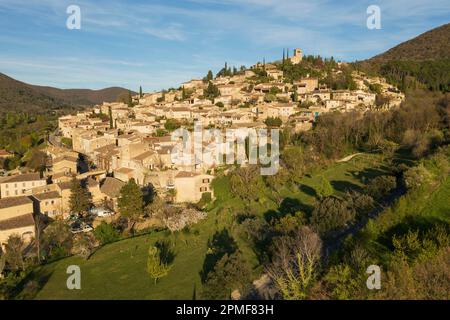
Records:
x=172, y=32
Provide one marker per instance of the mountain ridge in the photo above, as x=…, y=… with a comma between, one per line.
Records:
x=431, y=45
x=18, y=95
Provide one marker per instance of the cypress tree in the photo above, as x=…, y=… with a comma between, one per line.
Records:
x=130, y=100
x=110, y=118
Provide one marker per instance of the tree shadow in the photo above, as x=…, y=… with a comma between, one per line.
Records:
x=308, y=190
x=421, y=224
x=220, y=244
x=166, y=254
x=364, y=176
x=31, y=284
x=344, y=186
x=287, y=206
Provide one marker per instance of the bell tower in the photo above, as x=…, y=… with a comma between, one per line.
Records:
x=298, y=56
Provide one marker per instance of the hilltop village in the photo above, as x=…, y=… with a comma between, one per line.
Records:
x=108, y=145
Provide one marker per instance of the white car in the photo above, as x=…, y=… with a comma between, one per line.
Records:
x=87, y=228
x=101, y=212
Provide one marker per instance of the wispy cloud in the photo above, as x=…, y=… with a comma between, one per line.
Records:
x=160, y=43
x=173, y=32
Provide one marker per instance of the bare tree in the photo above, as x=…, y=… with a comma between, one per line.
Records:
x=295, y=263
x=39, y=226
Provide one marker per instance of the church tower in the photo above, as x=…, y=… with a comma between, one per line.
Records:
x=298, y=56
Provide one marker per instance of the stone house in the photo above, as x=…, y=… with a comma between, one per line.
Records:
x=16, y=217
x=191, y=186
x=20, y=185
x=48, y=203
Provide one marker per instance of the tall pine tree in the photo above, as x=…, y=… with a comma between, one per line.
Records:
x=130, y=202
x=80, y=199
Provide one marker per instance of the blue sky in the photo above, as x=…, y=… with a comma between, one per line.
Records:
x=162, y=43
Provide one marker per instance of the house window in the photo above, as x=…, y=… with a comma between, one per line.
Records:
x=203, y=189
x=205, y=181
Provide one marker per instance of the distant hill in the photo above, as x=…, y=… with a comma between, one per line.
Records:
x=431, y=45
x=422, y=62
x=19, y=96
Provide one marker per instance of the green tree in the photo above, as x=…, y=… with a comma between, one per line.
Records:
x=381, y=186
x=331, y=214
x=131, y=203
x=211, y=92
x=273, y=122
x=230, y=273
x=130, y=100
x=57, y=240
x=111, y=125
x=106, y=233
x=80, y=199
x=140, y=92
x=156, y=267
x=324, y=189
x=171, y=125
x=209, y=76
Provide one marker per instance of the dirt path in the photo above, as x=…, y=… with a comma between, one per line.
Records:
x=350, y=157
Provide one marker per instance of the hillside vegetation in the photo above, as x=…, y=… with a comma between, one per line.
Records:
x=431, y=45
x=422, y=62
x=19, y=96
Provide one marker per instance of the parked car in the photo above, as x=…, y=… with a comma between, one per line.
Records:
x=78, y=227
x=87, y=228
x=101, y=212
x=73, y=217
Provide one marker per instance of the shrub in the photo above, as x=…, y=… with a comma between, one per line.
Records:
x=331, y=214
x=416, y=176
x=106, y=233
x=381, y=186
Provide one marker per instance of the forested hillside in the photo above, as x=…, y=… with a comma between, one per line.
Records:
x=422, y=62
x=20, y=96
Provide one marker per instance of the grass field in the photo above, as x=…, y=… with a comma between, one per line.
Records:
x=118, y=270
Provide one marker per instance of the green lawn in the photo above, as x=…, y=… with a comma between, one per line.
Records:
x=118, y=270
x=438, y=205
